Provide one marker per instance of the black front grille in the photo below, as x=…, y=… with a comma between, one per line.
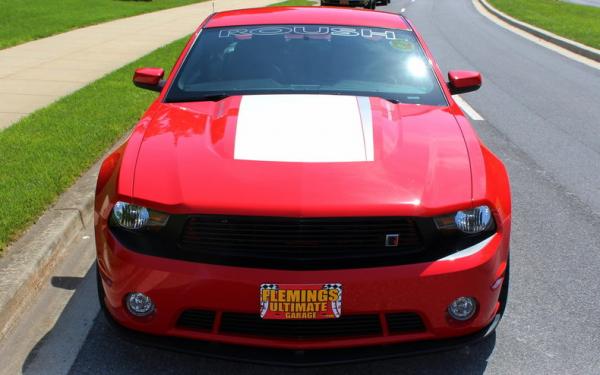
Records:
x=290, y=243
x=366, y=325
x=198, y=320
x=404, y=323
x=345, y=326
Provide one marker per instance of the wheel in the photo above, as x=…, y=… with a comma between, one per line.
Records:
x=371, y=4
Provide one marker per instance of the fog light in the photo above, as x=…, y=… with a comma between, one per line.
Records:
x=462, y=308
x=139, y=304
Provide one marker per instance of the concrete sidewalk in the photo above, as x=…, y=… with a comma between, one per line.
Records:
x=593, y=3
x=35, y=74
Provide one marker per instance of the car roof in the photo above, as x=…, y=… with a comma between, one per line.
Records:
x=308, y=15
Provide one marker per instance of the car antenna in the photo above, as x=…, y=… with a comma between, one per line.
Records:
x=213, y=5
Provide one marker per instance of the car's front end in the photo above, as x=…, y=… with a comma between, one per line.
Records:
x=300, y=219
x=219, y=301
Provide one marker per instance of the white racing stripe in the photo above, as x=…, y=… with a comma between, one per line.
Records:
x=304, y=128
x=366, y=118
x=467, y=108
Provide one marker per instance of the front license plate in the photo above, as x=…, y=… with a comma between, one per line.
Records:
x=301, y=301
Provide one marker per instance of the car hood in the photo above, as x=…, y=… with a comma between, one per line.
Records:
x=302, y=156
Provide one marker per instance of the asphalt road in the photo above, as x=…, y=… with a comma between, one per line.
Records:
x=542, y=117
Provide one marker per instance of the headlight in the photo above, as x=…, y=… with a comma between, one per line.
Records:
x=471, y=221
x=133, y=217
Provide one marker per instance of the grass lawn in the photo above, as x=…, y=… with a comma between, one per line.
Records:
x=26, y=20
x=576, y=22
x=45, y=153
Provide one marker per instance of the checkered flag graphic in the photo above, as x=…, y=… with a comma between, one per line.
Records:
x=264, y=305
x=336, y=306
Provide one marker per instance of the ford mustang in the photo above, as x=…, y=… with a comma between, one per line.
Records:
x=304, y=190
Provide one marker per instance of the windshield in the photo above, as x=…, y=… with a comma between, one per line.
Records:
x=307, y=59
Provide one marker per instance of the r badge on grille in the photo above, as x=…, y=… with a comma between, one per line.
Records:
x=392, y=240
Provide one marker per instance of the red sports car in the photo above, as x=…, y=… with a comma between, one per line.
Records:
x=304, y=191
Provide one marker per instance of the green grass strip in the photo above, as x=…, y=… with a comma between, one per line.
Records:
x=25, y=20
x=44, y=153
x=577, y=22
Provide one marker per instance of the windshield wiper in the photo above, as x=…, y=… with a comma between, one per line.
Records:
x=220, y=96
x=201, y=98
x=211, y=97
x=391, y=100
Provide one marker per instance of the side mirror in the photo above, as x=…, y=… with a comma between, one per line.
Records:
x=149, y=78
x=461, y=81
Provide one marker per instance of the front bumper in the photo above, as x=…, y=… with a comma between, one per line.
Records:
x=294, y=358
x=424, y=288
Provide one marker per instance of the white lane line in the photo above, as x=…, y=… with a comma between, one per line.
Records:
x=551, y=46
x=467, y=108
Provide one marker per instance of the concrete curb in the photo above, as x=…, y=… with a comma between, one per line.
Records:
x=568, y=44
x=30, y=260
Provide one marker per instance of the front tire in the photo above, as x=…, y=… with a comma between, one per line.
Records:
x=99, y=287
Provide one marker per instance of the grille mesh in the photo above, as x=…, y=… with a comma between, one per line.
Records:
x=252, y=324
x=290, y=243
x=346, y=326
x=404, y=322
x=198, y=320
